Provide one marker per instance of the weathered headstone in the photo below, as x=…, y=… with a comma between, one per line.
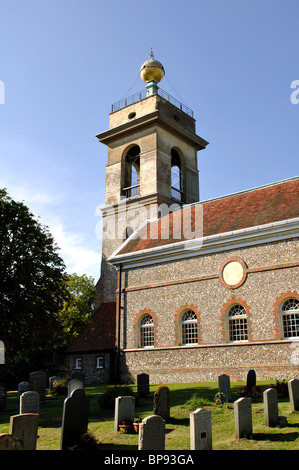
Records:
x=78, y=374
x=24, y=427
x=9, y=442
x=143, y=385
x=74, y=418
x=152, y=433
x=270, y=407
x=2, y=352
x=22, y=387
x=243, y=418
x=54, y=378
x=29, y=402
x=224, y=386
x=293, y=388
x=200, y=430
x=73, y=384
x=38, y=383
x=3, y=397
x=251, y=380
x=124, y=410
x=162, y=402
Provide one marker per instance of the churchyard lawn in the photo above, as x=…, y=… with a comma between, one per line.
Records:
x=184, y=398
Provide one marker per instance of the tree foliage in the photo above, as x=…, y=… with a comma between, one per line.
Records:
x=32, y=284
x=76, y=310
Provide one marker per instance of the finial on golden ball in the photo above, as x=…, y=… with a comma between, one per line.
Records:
x=152, y=70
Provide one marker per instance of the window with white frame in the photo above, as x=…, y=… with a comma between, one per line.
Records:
x=237, y=323
x=188, y=327
x=78, y=363
x=100, y=362
x=290, y=318
x=146, y=331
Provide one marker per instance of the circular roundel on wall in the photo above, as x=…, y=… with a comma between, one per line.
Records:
x=233, y=273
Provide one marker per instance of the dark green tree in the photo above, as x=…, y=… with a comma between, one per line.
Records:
x=76, y=310
x=32, y=287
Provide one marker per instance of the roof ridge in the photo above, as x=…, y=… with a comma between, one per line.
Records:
x=241, y=192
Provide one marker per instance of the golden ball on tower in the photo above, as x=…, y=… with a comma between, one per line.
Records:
x=152, y=69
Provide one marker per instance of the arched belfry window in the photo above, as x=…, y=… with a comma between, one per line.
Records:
x=176, y=176
x=132, y=172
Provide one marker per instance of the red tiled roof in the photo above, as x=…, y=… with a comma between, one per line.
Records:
x=259, y=206
x=99, y=333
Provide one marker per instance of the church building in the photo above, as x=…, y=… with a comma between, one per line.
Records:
x=189, y=289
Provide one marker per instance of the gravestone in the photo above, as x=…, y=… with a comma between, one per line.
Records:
x=251, y=380
x=78, y=374
x=270, y=407
x=24, y=427
x=53, y=379
x=9, y=442
x=243, y=418
x=143, y=385
x=73, y=384
x=162, y=402
x=224, y=386
x=124, y=410
x=29, y=403
x=152, y=433
x=22, y=387
x=38, y=383
x=293, y=388
x=3, y=397
x=200, y=430
x=2, y=352
x=74, y=418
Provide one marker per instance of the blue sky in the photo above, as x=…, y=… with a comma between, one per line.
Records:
x=64, y=62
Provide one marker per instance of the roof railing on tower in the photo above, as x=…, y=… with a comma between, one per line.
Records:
x=144, y=94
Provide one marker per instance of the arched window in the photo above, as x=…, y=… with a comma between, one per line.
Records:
x=132, y=172
x=237, y=323
x=290, y=317
x=146, y=331
x=188, y=327
x=176, y=176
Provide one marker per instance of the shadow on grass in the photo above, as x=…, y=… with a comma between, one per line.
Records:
x=287, y=437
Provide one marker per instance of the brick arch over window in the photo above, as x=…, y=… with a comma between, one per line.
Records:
x=177, y=318
x=280, y=299
x=225, y=309
x=137, y=319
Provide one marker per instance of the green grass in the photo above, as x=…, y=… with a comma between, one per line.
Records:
x=184, y=399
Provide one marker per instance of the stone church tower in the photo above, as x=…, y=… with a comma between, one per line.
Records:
x=151, y=165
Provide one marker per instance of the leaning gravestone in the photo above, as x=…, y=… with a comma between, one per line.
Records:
x=224, y=386
x=162, y=402
x=270, y=407
x=24, y=427
x=29, y=402
x=9, y=442
x=22, y=387
x=200, y=430
x=293, y=388
x=243, y=418
x=124, y=410
x=74, y=418
x=143, y=385
x=251, y=380
x=3, y=397
x=152, y=433
x=38, y=383
x=73, y=384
